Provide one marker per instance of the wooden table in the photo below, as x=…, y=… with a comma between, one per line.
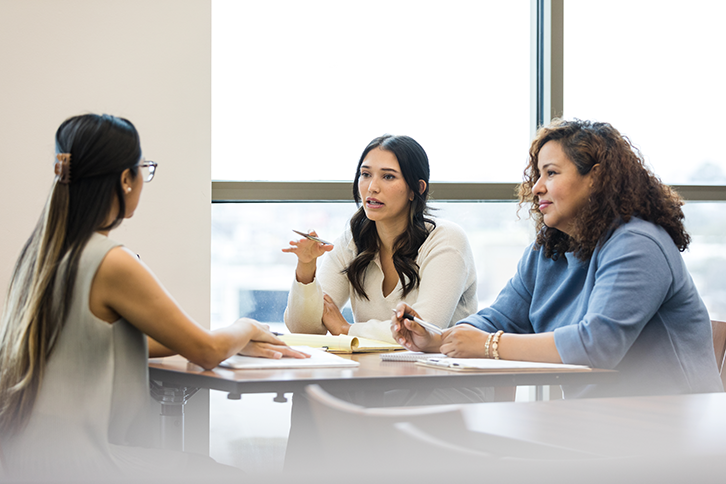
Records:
x=683, y=426
x=174, y=380
x=372, y=375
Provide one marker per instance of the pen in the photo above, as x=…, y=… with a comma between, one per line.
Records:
x=311, y=237
x=431, y=328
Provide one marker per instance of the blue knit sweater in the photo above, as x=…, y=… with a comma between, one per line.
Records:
x=632, y=307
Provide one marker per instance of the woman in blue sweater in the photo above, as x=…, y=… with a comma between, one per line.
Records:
x=604, y=284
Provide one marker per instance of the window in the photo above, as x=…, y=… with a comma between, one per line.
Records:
x=251, y=275
x=300, y=88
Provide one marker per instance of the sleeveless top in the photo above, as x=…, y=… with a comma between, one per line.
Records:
x=93, y=403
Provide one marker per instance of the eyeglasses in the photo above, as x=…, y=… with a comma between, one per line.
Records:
x=148, y=169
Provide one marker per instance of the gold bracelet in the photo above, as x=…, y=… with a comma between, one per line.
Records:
x=495, y=344
x=486, y=346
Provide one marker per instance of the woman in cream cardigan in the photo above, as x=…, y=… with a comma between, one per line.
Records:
x=392, y=252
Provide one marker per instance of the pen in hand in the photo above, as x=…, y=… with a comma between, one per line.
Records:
x=312, y=237
x=431, y=328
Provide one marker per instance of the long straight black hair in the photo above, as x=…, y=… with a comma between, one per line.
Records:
x=414, y=164
x=101, y=147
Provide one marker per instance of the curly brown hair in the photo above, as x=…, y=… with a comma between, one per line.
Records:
x=623, y=187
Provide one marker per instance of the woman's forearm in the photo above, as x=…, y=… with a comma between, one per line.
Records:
x=529, y=347
x=158, y=350
x=305, y=271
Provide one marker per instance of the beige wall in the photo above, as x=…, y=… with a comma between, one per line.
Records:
x=146, y=60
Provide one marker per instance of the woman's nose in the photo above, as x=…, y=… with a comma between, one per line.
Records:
x=538, y=187
x=373, y=185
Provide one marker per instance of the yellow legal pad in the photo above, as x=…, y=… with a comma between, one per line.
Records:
x=341, y=343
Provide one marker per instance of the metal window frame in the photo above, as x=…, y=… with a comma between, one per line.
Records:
x=276, y=192
x=546, y=93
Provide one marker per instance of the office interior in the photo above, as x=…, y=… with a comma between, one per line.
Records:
x=152, y=61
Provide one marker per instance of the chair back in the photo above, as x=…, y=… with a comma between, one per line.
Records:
x=719, y=345
x=3, y=464
x=429, y=437
x=355, y=434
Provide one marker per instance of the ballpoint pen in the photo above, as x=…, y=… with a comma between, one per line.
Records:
x=431, y=328
x=312, y=237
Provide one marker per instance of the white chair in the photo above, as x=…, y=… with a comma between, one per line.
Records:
x=355, y=434
x=719, y=346
x=3, y=465
x=432, y=437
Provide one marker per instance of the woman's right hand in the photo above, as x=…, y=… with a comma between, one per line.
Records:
x=264, y=344
x=412, y=335
x=307, y=250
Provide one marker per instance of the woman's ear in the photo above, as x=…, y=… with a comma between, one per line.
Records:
x=421, y=187
x=127, y=181
x=594, y=173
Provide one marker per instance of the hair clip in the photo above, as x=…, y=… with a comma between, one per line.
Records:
x=63, y=168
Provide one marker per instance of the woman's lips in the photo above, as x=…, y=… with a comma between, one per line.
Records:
x=544, y=204
x=373, y=203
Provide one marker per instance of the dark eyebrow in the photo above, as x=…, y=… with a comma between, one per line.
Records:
x=392, y=170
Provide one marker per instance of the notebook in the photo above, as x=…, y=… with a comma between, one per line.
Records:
x=410, y=356
x=487, y=364
x=318, y=359
x=341, y=343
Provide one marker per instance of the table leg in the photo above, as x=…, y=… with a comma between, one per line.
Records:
x=172, y=399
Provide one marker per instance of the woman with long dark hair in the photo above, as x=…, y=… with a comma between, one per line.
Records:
x=82, y=316
x=604, y=284
x=393, y=251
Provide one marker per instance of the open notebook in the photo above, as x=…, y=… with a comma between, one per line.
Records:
x=318, y=359
x=487, y=364
x=339, y=344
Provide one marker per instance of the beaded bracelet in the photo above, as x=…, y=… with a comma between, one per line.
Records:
x=495, y=344
x=486, y=346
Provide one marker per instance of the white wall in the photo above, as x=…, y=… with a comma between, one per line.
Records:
x=146, y=60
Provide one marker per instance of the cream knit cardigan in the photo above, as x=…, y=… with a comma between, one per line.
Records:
x=447, y=292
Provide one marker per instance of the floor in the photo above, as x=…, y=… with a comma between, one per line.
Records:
x=250, y=433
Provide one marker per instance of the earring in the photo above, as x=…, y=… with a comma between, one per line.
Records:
x=128, y=189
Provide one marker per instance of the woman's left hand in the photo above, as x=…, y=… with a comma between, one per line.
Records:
x=464, y=341
x=410, y=334
x=332, y=317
